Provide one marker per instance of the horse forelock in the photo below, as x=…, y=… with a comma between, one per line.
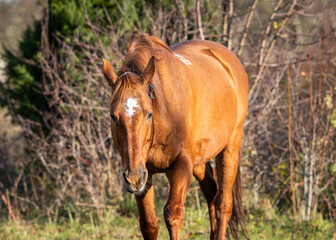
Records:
x=125, y=82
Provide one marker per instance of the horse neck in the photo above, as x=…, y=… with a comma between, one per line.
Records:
x=171, y=78
x=169, y=117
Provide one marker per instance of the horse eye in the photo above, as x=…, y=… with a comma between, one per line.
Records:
x=113, y=117
x=149, y=115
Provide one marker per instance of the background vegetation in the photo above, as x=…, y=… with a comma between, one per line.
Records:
x=64, y=173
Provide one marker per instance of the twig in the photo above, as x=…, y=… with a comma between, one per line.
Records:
x=247, y=25
x=262, y=59
x=290, y=143
x=199, y=19
x=227, y=21
x=329, y=205
x=8, y=205
x=180, y=8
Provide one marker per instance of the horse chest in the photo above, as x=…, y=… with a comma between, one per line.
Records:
x=160, y=157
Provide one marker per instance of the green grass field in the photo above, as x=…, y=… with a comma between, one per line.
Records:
x=122, y=223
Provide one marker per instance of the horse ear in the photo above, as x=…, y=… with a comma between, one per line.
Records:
x=149, y=71
x=109, y=74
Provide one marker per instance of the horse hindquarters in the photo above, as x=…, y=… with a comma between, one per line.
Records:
x=237, y=217
x=206, y=178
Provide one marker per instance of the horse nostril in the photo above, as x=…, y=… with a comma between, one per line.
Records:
x=144, y=176
x=125, y=178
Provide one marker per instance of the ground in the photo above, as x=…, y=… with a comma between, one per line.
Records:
x=262, y=224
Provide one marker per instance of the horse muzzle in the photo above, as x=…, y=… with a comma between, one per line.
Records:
x=135, y=182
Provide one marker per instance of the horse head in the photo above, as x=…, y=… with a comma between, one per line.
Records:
x=132, y=124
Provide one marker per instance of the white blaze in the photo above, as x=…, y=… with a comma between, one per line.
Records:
x=185, y=61
x=131, y=104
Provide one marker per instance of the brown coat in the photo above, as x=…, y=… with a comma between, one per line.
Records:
x=197, y=113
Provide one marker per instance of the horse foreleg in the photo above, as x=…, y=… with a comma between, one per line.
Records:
x=179, y=176
x=226, y=166
x=149, y=224
x=205, y=176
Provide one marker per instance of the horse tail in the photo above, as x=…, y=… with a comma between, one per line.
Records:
x=238, y=216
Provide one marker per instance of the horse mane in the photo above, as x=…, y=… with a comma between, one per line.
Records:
x=139, y=53
x=136, y=60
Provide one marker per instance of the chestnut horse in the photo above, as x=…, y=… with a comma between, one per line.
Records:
x=172, y=111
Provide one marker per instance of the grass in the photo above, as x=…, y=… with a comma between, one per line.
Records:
x=122, y=223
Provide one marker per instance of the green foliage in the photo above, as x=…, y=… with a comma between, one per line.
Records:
x=333, y=118
x=23, y=89
x=333, y=168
